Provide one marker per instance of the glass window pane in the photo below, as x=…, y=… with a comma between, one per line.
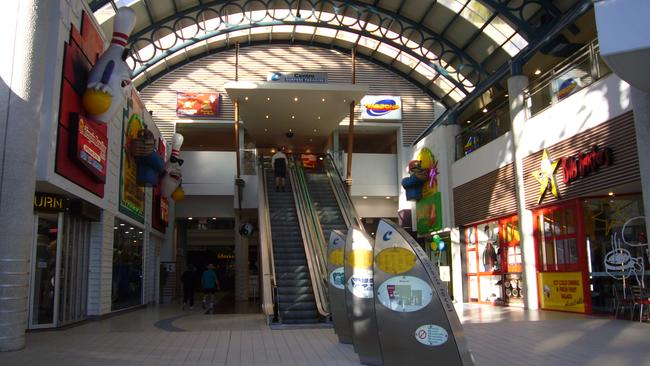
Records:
x=127, y=265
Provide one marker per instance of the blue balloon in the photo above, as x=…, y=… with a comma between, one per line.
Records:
x=441, y=246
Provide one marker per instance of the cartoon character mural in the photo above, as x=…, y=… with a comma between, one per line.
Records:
x=173, y=176
x=109, y=77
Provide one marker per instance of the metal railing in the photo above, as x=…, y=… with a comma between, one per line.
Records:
x=341, y=192
x=312, y=234
x=269, y=283
x=487, y=128
x=576, y=72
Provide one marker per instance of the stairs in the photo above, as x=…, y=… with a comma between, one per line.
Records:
x=325, y=203
x=296, y=295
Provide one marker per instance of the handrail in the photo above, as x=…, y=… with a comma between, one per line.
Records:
x=340, y=192
x=269, y=283
x=321, y=242
x=307, y=229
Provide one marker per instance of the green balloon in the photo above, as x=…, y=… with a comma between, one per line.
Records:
x=436, y=239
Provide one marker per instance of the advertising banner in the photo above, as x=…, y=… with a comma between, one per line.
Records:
x=429, y=214
x=381, y=107
x=132, y=196
x=201, y=105
x=89, y=145
x=561, y=291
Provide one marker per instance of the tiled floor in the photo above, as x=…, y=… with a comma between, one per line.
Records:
x=167, y=336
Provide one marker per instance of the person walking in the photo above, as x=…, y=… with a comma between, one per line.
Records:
x=279, y=162
x=210, y=284
x=188, y=278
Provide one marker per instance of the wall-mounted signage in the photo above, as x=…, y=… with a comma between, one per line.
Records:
x=297, y=77
x=164, y=210
x=50, y=202
x=201, y=105
x=581, y=165
x=381, y=107
x=546, y=176
x=132, y=196
x=88, y=145
x=561, y=291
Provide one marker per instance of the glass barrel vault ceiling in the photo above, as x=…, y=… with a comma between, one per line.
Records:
x=445, y=47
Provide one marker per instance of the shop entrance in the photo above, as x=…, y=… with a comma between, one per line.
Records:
x=59, y=276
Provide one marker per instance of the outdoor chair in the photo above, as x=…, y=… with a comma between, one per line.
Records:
x=641, y=298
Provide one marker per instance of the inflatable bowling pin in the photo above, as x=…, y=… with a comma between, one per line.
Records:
x=110, y=76
x=173, y=173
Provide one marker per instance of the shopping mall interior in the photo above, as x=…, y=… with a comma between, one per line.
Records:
x=375, y=178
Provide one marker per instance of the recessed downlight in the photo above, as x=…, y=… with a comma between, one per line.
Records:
x=485, y=110
x=266, y=130
x=538, y=71
x=323, y=99
x=189, y=218
x=295, y=99
x=268, y=98
x=292, y=117
x=267, y=116
x=245, y=98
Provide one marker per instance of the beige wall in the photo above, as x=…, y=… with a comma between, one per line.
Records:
x=212, y=72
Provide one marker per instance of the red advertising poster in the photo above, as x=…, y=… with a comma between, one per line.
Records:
x=204, y=105
x=164, y=210
x=309, y=161
x=89, y=145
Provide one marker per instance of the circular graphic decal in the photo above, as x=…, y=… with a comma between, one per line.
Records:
x=336, y=257
x=360, y=258
x=360, y=284
x=404, y=294
x=431, y=335
x=337, y=278
x=395, y=260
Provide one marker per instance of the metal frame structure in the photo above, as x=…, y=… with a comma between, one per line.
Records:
x=453, y=50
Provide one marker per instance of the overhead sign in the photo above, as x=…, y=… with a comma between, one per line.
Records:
x=89, y=146
x=50, y=202
x=381, y=107
x=297, y=77
x=202, y=105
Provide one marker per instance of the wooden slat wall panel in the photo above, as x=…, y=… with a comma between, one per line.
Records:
x=212, y=72
x=489, y=196
x=617, y=134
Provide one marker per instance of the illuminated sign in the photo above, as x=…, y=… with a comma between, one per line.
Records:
x=297, y=77
x=89, y=146
x=202, y=105
x=382, y=107
x=49, y=202
x=579, y=166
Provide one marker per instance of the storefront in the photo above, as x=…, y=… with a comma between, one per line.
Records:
x=485, y=210
x=589, y=232
x=127, y=281
x=60, y=256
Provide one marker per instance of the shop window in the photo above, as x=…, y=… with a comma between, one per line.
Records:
x=494, y=261
x=604, y=219
x=557, y=241
x=127, y=265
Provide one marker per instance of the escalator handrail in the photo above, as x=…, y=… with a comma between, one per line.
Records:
x=316, y=225
x=307, y=231
x=342, y=196
x=266, y=243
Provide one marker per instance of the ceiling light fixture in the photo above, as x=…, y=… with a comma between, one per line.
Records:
x=323, y=99
x=189, y=218
x=292, y=117
x=121, y=224
x=266, y=130
x=387, y=197
x=611, y=193
x=365, y=197
x=506, y=94
x=268, y=98
x=115, y=227
x=246, y=98
x=484, y=110
x=214, y=218
x=267, y=116
x=468, y=121
x=538, y=71
x=345, y=100
x=295, y=99
x=318, y=117
x=315, y=130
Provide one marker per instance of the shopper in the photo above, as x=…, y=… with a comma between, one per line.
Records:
x=210, y=284
x=279, y=162
x=188, y=278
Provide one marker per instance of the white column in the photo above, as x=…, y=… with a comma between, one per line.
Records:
x=23, y=25
x=641, y=107
x=516, y=86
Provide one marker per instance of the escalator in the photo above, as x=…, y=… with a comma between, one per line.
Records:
x=325, y=202
x=295, y=295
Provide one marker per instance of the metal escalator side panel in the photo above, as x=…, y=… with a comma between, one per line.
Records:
x=266, y=249
x=359, y=293
x=415, y=315
x=336, y=286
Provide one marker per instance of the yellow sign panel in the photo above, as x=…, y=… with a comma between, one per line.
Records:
x=395, y=260
x=561, y=291
x=336, y=257
x=360, y=259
